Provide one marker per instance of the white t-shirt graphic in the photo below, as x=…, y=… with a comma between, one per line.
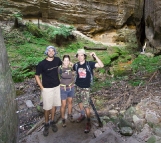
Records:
x=82, y=73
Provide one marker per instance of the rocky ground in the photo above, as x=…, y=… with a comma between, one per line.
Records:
x=129, y=113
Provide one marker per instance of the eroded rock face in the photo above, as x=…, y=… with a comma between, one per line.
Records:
x=94, y=16
x=153, y=22
x=8, y=118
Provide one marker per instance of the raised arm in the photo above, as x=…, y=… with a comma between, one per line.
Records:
x=99, y=63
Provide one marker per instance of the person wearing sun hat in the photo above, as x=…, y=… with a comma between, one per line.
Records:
x=84, y=75
x=49, y=85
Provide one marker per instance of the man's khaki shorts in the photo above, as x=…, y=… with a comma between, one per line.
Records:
x=51, y=97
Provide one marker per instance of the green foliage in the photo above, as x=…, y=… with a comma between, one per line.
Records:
x=136, y=82
x=14, y=37
x=99, y=84
x=34, y=30
x=102, y=70
x=115, y=49
x=24, y=51
x=19, y=75
x=152, y=139
x=106, y=59
x=62, y=30
x=114, y=55
x=144, y=63
x=17, y=15
x=27, y=66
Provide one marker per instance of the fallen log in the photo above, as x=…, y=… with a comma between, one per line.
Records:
x=154, y=74
x=36, y=126
x=128, y=103
x=116, y=100
x=89, y=48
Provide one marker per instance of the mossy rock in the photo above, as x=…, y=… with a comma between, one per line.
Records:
x=32, y=28
x=121, y=68
x=128, y=115
x=152, y=139
x=124, y=123
x=106, y=60
x=114, y=56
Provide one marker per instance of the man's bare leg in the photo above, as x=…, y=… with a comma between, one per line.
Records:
x=53, y=112
x=82, y=117
x=81, y=106
x=87, y=112
x=46, y=114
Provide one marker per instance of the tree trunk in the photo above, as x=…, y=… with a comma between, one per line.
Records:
x=89, y=48
x=16, y=25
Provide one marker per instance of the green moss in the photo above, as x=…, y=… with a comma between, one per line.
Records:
x=152, y=139
x=114, y=55
x=106, y=59
x=144, y=63
x=102, y=70
x=34, y=30
x=136, y=82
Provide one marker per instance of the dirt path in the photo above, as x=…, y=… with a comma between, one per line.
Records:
x=73, y=133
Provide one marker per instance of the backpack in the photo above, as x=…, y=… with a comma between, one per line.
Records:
x=60, y=71
x=88, y=69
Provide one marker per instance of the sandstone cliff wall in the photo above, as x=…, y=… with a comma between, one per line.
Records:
x=8, y=116
x=93, y=16
x=153, y=22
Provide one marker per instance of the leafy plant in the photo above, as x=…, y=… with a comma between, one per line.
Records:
x=34, y=30
x=17, y=16
x=62, y=30
x=106, y=59
x=144, y=63
x=136, y=82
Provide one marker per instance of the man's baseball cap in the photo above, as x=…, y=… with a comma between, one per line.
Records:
x=50, y=47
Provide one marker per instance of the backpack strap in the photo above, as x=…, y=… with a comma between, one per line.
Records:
x=89, y=69
x=76, y=67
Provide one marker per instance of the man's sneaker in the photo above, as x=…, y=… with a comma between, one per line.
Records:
x=53, y=126
x=46, y=129
x=70, y=118
x=88, y=128
x=81, y=118
x=63, y=123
